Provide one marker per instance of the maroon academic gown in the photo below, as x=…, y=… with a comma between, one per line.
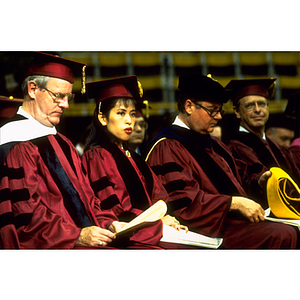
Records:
x=107, y=181
x=196, y=202
x=260, y=155
x=33, y=214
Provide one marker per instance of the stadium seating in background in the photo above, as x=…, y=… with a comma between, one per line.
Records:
x=150, y=69
x=220, y=63
x=286, y=63
x=288, y=85
x=113, y=64
x=254, y=63
x=158, y=71
x=184, y=63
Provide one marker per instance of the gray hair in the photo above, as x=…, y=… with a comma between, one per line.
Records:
x=41, y=82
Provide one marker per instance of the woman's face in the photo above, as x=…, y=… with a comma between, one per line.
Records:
x=120, y=121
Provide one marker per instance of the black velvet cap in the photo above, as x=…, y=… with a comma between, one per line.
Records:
x=202, y=88
x=293, y=106
x=281, y=121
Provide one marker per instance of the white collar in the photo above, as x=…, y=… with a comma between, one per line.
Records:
x=24, y=130
x=242, y=129
x=178, y=122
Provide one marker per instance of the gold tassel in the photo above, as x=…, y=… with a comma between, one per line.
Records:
x=146, y=102
x=83, y=80
x=271, y=89
x=210, y=76
x=141, y=92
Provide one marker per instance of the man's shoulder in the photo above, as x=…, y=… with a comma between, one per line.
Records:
x=244, y=138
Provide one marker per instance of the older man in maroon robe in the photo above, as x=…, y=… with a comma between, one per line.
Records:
x=202, y=177
x=250, y=145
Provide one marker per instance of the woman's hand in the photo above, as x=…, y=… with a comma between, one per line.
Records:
x=171, y=221
x=116, y=226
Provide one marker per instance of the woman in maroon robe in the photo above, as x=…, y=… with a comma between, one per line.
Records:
x=114, y=170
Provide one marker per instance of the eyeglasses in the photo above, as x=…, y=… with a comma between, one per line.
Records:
x=59, y=97
x=251, y=105
x=142, y=124
x=212, y=113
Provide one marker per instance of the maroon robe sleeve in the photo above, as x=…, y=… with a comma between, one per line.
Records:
x=246, y=155
x=192, y=197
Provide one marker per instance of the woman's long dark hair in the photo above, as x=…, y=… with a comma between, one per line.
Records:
x=100, y=136
x=98, y=131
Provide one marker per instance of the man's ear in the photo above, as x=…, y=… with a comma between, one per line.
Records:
x=236, y=111
x=32, y=88
x=188, y=106
x=102, y=119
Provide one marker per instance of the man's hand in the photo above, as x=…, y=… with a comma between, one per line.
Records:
x=248, y=208
x=262, y=181
x=95, y=236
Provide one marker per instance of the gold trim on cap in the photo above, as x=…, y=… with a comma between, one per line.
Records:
x=210, y=76
x=83, y=90
x=141, y=92
x=146, y=102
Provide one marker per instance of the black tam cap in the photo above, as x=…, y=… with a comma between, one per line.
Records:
x=239, y=88
x=293, y=106
x=281, y=121
x=202, y=88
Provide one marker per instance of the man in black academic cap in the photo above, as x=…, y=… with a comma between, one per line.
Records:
x=281, y=129
x=202, y=178
x=250, y=145
x=138, y=136
x=46, y=200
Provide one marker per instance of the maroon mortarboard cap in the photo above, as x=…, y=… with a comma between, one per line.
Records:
x=54, y=66
x=122, y=87
x=202, y=88
x=9, y=106
x=239, y=88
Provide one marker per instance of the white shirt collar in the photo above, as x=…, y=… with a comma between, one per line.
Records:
x=178, y=122
x=242, y=129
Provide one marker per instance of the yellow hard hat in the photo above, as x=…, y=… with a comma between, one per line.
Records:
x=283, y=195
